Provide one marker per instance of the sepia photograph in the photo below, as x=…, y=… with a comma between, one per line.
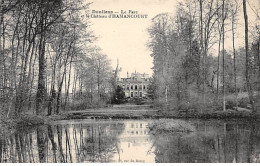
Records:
x=129, y=81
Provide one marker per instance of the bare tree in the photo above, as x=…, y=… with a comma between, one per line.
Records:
x=234, y=11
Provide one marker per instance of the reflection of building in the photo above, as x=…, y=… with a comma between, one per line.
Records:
x=135, y=144
x=136, y=129
x=135, y=85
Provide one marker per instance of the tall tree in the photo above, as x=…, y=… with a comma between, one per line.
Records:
x=234, y=10
x=223, y=54
x=248, y=81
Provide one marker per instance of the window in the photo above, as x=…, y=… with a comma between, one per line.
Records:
x=132, y=87
x=140, y=87
x=132, y=94
x=135, y=87
x=136, y=94
x=141, y=95
x=127, y=87
x=144, y=86
x=123, y=87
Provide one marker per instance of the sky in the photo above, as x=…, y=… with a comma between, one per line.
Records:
x=126, y=39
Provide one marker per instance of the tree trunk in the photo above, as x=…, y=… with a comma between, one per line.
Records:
x=1, y=53
x=74, y=89
x=40, y=96
x=249, y=87
x=202, y=50
x=234, y=60
x=258, y=56
x=223, y=54
x=67, y=92
x=52, y=91
x=59, y=91
x=219, y=42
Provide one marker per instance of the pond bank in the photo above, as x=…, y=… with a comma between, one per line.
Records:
x=126, y=112
x=149, y=113
x=158, y=114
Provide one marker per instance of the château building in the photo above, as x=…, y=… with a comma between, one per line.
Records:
x=136, y=85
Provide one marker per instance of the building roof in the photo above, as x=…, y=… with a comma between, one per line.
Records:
x=136, y=78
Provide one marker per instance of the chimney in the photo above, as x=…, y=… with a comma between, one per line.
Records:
x=127, y=75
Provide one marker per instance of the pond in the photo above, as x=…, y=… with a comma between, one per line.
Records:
x=128, y=141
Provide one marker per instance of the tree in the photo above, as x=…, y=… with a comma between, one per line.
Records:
x=119, y=96
x=151, y=89
x=223, y=55
x=234, y=11
x=247, y=72
x=48, y=14
x=41, y=44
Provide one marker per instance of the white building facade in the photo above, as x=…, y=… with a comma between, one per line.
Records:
x=136, y=85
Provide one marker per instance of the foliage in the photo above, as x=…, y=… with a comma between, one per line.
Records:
x=119, y=96
x=49, y=58
x=171, y=126
x=187, y=72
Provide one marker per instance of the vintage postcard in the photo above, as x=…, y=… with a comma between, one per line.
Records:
x=129, y=81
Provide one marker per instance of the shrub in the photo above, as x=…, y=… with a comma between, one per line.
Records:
x=119, y=96
x=243, y=102
x=170, y=126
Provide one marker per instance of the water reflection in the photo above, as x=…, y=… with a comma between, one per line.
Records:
x=214, y=142
x=130, y=141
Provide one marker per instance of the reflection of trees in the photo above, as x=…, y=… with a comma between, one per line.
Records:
x=29, y=145
x=254, y=143
x=59, y=133
x=175, y=148
x=68, y=146
x=214, y=142
x=62, y=143
x=41, y=143
x=101, y=141
x=98, y=142
x=53, y=143
x=17, y=147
